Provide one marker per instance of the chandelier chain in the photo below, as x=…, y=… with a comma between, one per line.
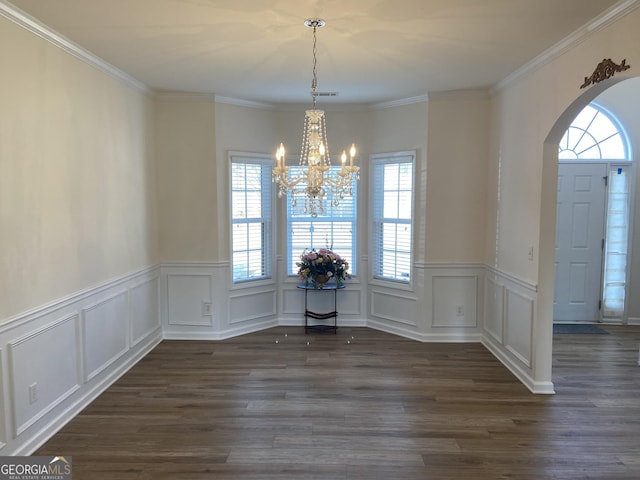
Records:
x=314, y=82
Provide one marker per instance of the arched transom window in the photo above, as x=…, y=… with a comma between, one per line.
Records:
x=592, y=136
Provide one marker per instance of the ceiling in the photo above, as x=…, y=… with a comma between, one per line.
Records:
x=370, y=51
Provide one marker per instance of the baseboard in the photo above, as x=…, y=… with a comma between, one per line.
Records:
x=633, y=321
x=342, y=322
x=424, y=337
x=533, y=385
x=195, y=334
x=235, y=332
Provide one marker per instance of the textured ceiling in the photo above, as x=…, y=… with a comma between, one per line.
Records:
x=370, y=51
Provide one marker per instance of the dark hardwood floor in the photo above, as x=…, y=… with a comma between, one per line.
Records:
x=361, y=404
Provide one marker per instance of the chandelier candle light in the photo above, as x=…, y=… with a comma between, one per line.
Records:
x=314, y=179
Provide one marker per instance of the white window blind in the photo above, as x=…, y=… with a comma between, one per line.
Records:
x=334, y=228
x=250, y=218
x=615, y=262
x=392, y=216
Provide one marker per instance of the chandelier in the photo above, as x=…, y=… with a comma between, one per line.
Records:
x=314, y=179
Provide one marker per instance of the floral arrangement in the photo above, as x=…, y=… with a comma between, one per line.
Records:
x=320, y=266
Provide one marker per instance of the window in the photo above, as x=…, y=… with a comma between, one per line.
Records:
x=593, y=136
x=616, y=246
x=334, y=228
x=250, y=217
x=392, y=216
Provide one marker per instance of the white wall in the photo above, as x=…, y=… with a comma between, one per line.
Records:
x=77, y=174
x=457, y=161
x=79, y=282
x=244, y=129
x=199, y=133
x=187, y=176
x=451, y=200
x=400, y=128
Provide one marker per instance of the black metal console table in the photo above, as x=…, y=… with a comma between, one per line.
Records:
x=332, y=287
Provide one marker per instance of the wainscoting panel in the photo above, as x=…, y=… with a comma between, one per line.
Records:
x=349, y=301
x=292, y=301
x=57, y=358
x=395, y=307
x=494, y=309
x=519, y=327
x=145, y=309
x=443, y=303
x=252, y=305
x=455, y=300
x=200, y=302
x=508, y=325
x=187, y=295
x=37, y=383
x=105, y=327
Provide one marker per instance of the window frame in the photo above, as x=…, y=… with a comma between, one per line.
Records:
x=292, y=257
x=377, y=161
x=269, y=223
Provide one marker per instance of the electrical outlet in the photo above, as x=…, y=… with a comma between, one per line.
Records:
x=33, y=393
x=460, y=311
x=206, y=308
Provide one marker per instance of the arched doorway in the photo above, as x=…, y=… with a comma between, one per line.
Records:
x=592, y=228
x=543, y=330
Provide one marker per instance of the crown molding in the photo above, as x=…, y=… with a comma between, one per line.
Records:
x=610, y=15
x=400, y=102
x=478, y=93
x=617, y=11
x=326, y=107
x=29, y=23
x=168, y=95
x=239, y=102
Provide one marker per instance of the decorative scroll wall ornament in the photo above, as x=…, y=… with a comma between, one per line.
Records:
x=605, y=69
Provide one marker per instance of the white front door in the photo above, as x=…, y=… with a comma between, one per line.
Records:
x=579, y=241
